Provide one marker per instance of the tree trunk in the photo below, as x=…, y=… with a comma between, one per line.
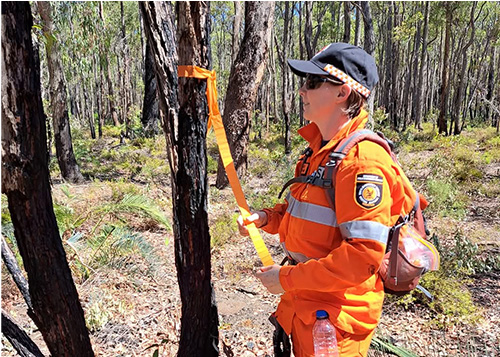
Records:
x=150, y=110
x=11, y=264
x=25, y=180
x=347, y=22
x=112, y=104
x=238, y=13
x=199, y=334
x=59, y=106
x=22, y=343
x=462, y=80
x=357, y=26
x=274, y=76
x=97, y=95
x=423, y=61
x=308, y=28
x=408, y=81
x=415, y=73
x=106, y=69
x=285, y=97
x=186, y=145
x=126, y=74
x=301, y=57
x=445, y=66
x=369, y=47
x=388, y=63
x=491, y=83
x=310, y=41
x=246, y=74
x=89, y=112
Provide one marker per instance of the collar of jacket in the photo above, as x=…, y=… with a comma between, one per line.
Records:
x=312, y=134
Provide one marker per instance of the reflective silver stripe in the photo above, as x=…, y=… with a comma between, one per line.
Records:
x=311, y=212
x=298, y=257
x=365, y=230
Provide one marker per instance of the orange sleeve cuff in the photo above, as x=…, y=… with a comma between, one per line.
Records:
x=273, y=221
x=285, y=280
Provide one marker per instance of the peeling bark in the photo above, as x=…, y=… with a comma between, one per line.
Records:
x=246, y=74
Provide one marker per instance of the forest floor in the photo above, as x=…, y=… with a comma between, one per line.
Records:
x=133, y=306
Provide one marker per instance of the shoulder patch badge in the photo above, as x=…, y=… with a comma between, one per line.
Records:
x=368, y=190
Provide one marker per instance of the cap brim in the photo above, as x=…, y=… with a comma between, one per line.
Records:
x=303, y=68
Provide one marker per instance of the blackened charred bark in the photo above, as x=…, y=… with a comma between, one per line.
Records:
x=199, y=327
x=150, y=110
x=246, y=74
x=25, y=180
x=19, y=339
x=186, y=144
x=58, y=101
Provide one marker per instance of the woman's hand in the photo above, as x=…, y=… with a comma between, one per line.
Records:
x=270, y=278
x=259, y=218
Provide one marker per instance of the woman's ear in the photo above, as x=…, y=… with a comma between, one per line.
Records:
x=344, y=92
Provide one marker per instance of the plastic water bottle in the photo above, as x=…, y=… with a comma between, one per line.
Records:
x=324, y=336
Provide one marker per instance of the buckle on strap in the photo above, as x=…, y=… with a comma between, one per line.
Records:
x=327, y=183
x=337, y=155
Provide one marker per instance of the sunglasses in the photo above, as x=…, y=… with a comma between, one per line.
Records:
x=314, y=81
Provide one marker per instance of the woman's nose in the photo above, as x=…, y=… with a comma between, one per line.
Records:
x=302, y=90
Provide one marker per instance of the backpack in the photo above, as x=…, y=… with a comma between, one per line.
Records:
x=401, y=268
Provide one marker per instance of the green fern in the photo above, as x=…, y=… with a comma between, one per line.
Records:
x=385, y=346
x=136, y=204
x=64, y=216
x=115, y=244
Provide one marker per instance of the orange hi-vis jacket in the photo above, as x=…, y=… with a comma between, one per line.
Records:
x=339, y=252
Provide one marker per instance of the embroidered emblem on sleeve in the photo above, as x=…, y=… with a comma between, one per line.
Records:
x=369, y=190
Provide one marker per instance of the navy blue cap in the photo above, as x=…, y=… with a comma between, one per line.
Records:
x=321, y=314
x=348, y=63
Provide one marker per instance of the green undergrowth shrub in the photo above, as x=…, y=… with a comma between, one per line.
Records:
x=269, y=169
x=103, y=234
x=107, y=158
x=453, y=302
x=223, y=229
x=113, y=131
x=467, y=258
x=114, y=245
x=445, y=198
x=385, y=345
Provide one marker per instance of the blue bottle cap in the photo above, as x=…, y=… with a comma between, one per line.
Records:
x=321, y=314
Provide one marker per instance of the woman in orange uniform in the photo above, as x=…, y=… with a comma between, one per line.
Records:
x=334, y=254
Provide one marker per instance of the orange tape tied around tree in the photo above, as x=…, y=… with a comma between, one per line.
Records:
x=215, y=121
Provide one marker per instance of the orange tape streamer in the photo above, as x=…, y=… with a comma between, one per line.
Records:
x=215, y=121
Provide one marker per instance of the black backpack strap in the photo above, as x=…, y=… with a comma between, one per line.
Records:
x=299, y=179
x=336, y=156
x=340, y=152
x=330, y=174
